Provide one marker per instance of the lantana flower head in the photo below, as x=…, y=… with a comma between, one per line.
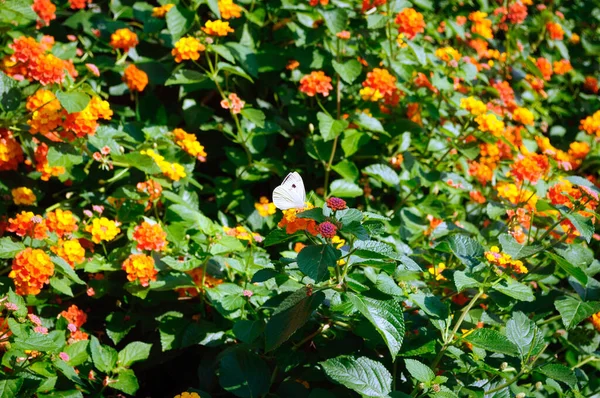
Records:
x=410, y=22
x=316, y=83
x=124, y=39
x=217, y=28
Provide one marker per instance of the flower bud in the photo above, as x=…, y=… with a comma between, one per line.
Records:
x=421, y=386
x=520, y=395
x=311, y=128
x=503, y=366
x=436, y=388
x=539, y=386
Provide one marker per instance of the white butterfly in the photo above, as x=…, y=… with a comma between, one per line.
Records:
x=290, y=194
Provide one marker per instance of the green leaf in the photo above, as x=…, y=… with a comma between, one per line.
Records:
x=51, y=342
x=516, y=250
x=9, y=249
x=314, y=261
x=235, y=70
x=387, y=285
x=418, y=51
x=492, y=341
x=369, y=123
x=383, y=173
x=10, y=387
x=126, y=381
x=335, y=19
x=64, y=268
x=363, y=375
x=432, y=305
x=386, y=316
x=256, y=116
x=214, y=7
x=559, y=372
x=104, y=357
x=515, y=290
x=345, y=189
x=463, y=281
x=313, y=214
x=419, y=371
x=525, y=335
x=62, y=285
x=292, y=314
x=17, y=12
x=117, y=327
x=73, y=102
x=573, y=310
x=77, y=352
x=277, y=236
x=584, y=225
x=347, y=170
x=569, y=268
x=248, y=331
x=179, y=20
x=376, y=21
x=353, y=140
x=17, y=300
x=134, y=352
x=244, y=374
x=185, y=76
x=466, y=249
x=329, y=127
x=374, y=249
x=349, y=70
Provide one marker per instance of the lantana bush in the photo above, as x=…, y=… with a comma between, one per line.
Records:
x=436, y=236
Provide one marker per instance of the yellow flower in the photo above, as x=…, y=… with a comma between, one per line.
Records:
x=229, y=9
x=595, y=319
x=473, y=105
x=437, y=271
x=370, y=94
x=523, y=115
x=103, y=229
x=186, y=394
x=160, y=12
x=264, y=207
x=338, y=242
x=23, y=196
x=174, y=171
x=490, y=123
x=494, y=256
x=190, y=144
x=187, y=48
x=217, y=28
x=447, y=54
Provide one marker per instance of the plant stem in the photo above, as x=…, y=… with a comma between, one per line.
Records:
x=322, y=329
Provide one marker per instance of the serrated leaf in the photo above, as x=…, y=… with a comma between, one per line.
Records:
x=516, y=250
x=462, y=281
x=349, y=70
x=573, y=311
x=133, y=352
x=466, y=249
x=329, y=127
x=559, y=372
x=369, y=123
x=526, y=336
x=64, y=268
x=492, y=341
x=419, y=371
x=386, y=316
x=430, y=304
x=335, y=19
x=256, y=116
x=179, y=20
x=374, y=249
x=291, y=314
x=584, y=225
x=569, y=268
x=74, y=101
x=126, y=381
x=363, y=375
x=104, y=357
x=383, y=173
x=314, y=261
x=346, y=169
x=185, y=76
x=10, y=387
x=9, y=248
x=515, y=290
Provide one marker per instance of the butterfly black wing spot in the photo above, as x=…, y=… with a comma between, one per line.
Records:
x=293, y=185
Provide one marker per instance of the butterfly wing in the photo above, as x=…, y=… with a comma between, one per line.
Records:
x=291, y=193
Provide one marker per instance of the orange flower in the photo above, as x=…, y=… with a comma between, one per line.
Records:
x=595, y=319
x=314, y=3
x=61, y=222
x=123, y=39
x=517, y=12
x=229, y=9
x=79, y=4
x=217, y=28
x=45, y=10
x=410, y=22
x=292, y=64
x=174, y=171
x=47, y=69
x=161, y=12
x=28, y=224
x=531, y=168
x=523, y=115
x=545, y=68
x=316, y=83
x=11, y=153
x=26, y=49
x=85, y=123
x=413, y=112
x=150, y=237
x=103, y=229
x=591, y=84
x=555, y=30
x=481, y=25
x=23, y=196
x=69, y=250
x=189, y=143
x=482, y=172
x=140, y=267
x=563, y=66
x=380, y=80
x=488, y=122
x=136, y=79
x=507, y=94
x=187, y=48
x=292, y=224
x=31, y=270
x=42, y=165
x=152, y=188
x=494, y=256
x=447, y=54
x=75, y=316
x=199, y=279
x=591, y=124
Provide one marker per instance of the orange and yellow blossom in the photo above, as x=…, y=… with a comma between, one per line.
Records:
x=591, y=124
x=516, y=195
x=292, y=224
x=447, y=54
x=561, y=67
x=437, y=271
x=140, y=267
x=103, y=229
x=123, y=39
x=187, y=48
x=481, y=25
x=31, y=270
x=217, y=28
x=174, y=171
x=28, y=224
x=189, y=143
x=45, y=10
x=489, y=123
x=79, y=4
x=264, y=207
x=410, y=22
x=524, y=116
x=135, y=78
x=473, y=106
x=11, y=153
x=242, y=233
x=555, y=30
x=595, y=319
x=530, y=167
x=23, y=196
x=229, y=9
x=316, y=83
x=494, y=256
x=150, y=237
x=42, y=165
x=61, y=222
x=69, y=250
x=382, y=83
x=161, y=12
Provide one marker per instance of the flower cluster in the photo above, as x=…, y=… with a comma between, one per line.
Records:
x=103, y=229
x=31, y=270
x=140, y=267
x=135, y=78
x=150, y=237
x=264, y=207
x=316, y=83
x=293, y=224
x=410, y=22
x=174, y=171
x=494, y=256
x=187, y=48
x=124, y=39
x=217, y=28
